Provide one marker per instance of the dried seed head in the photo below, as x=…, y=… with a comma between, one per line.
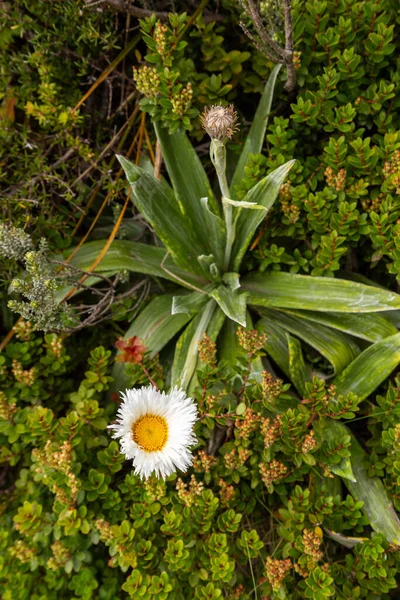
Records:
x=220, y=122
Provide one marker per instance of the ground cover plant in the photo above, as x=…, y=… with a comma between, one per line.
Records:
x=270, y=299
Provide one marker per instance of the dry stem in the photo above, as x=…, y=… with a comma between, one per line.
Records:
x=264, y=42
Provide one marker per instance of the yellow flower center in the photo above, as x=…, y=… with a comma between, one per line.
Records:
x=150, y=432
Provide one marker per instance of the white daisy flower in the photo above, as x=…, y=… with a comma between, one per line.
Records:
x=156, y=430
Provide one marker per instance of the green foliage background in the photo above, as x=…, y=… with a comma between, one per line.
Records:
x=75, y=522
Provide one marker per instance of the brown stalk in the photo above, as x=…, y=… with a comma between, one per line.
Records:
x=264, y=42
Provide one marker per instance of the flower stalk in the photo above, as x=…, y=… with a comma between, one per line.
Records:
x=218, y=158
x=221, y=123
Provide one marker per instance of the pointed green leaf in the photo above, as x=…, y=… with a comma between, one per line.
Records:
x=228, y=343
x=155, y=326
x=344, y=470
x=186, y=350
x=370, y=490
x=214, y=231
x=189, y=181
x=299, y=371
x=133, y=256
x=188, y=303
x=286, y=290
x=366, y=326
x=370, y=368
x=161, y=210
x=232, y=280
x=276, y=345
x=338, y=348
x=232, y=303
x=263, y=194
x=255, y=137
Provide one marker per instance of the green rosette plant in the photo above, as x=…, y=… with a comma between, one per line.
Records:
x=202, y=243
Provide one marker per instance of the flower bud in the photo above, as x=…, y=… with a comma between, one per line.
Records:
x=220, y=122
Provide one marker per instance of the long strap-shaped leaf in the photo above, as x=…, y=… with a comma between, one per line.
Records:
x=139, y=258
x=256, y=135
x=159, y=207
x=213, y=330
x=371, y=491
x=338, y=348
x=370, y=368
x=367, y=326
x=299, y=371
x=325, y=294
x=263, y=194
x=190, y=184
x=276, y=345
x=155, y=326
x=186, y=349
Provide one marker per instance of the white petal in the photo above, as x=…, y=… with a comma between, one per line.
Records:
x=177, y=409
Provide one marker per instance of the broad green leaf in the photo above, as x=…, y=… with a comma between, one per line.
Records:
x=134, y=256
x=263, y=194
x=370, y=368
x=371, y=491
x=190, y=183
x=325, y=294
x=233, y=303
x=186, y=350
x=155, y=326
x=276, y=345
x=367, y=326
x=338, y=348
x=216, y=323
x=228, y=343
x=214, y=232
x=255, y=137
x=162, y=212
x=299, y=372
x=130, y=229
x=188, y=303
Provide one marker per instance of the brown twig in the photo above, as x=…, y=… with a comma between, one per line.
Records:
x=264, y=42
x=291, y=72
x=127, y=7
x=255, y=17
